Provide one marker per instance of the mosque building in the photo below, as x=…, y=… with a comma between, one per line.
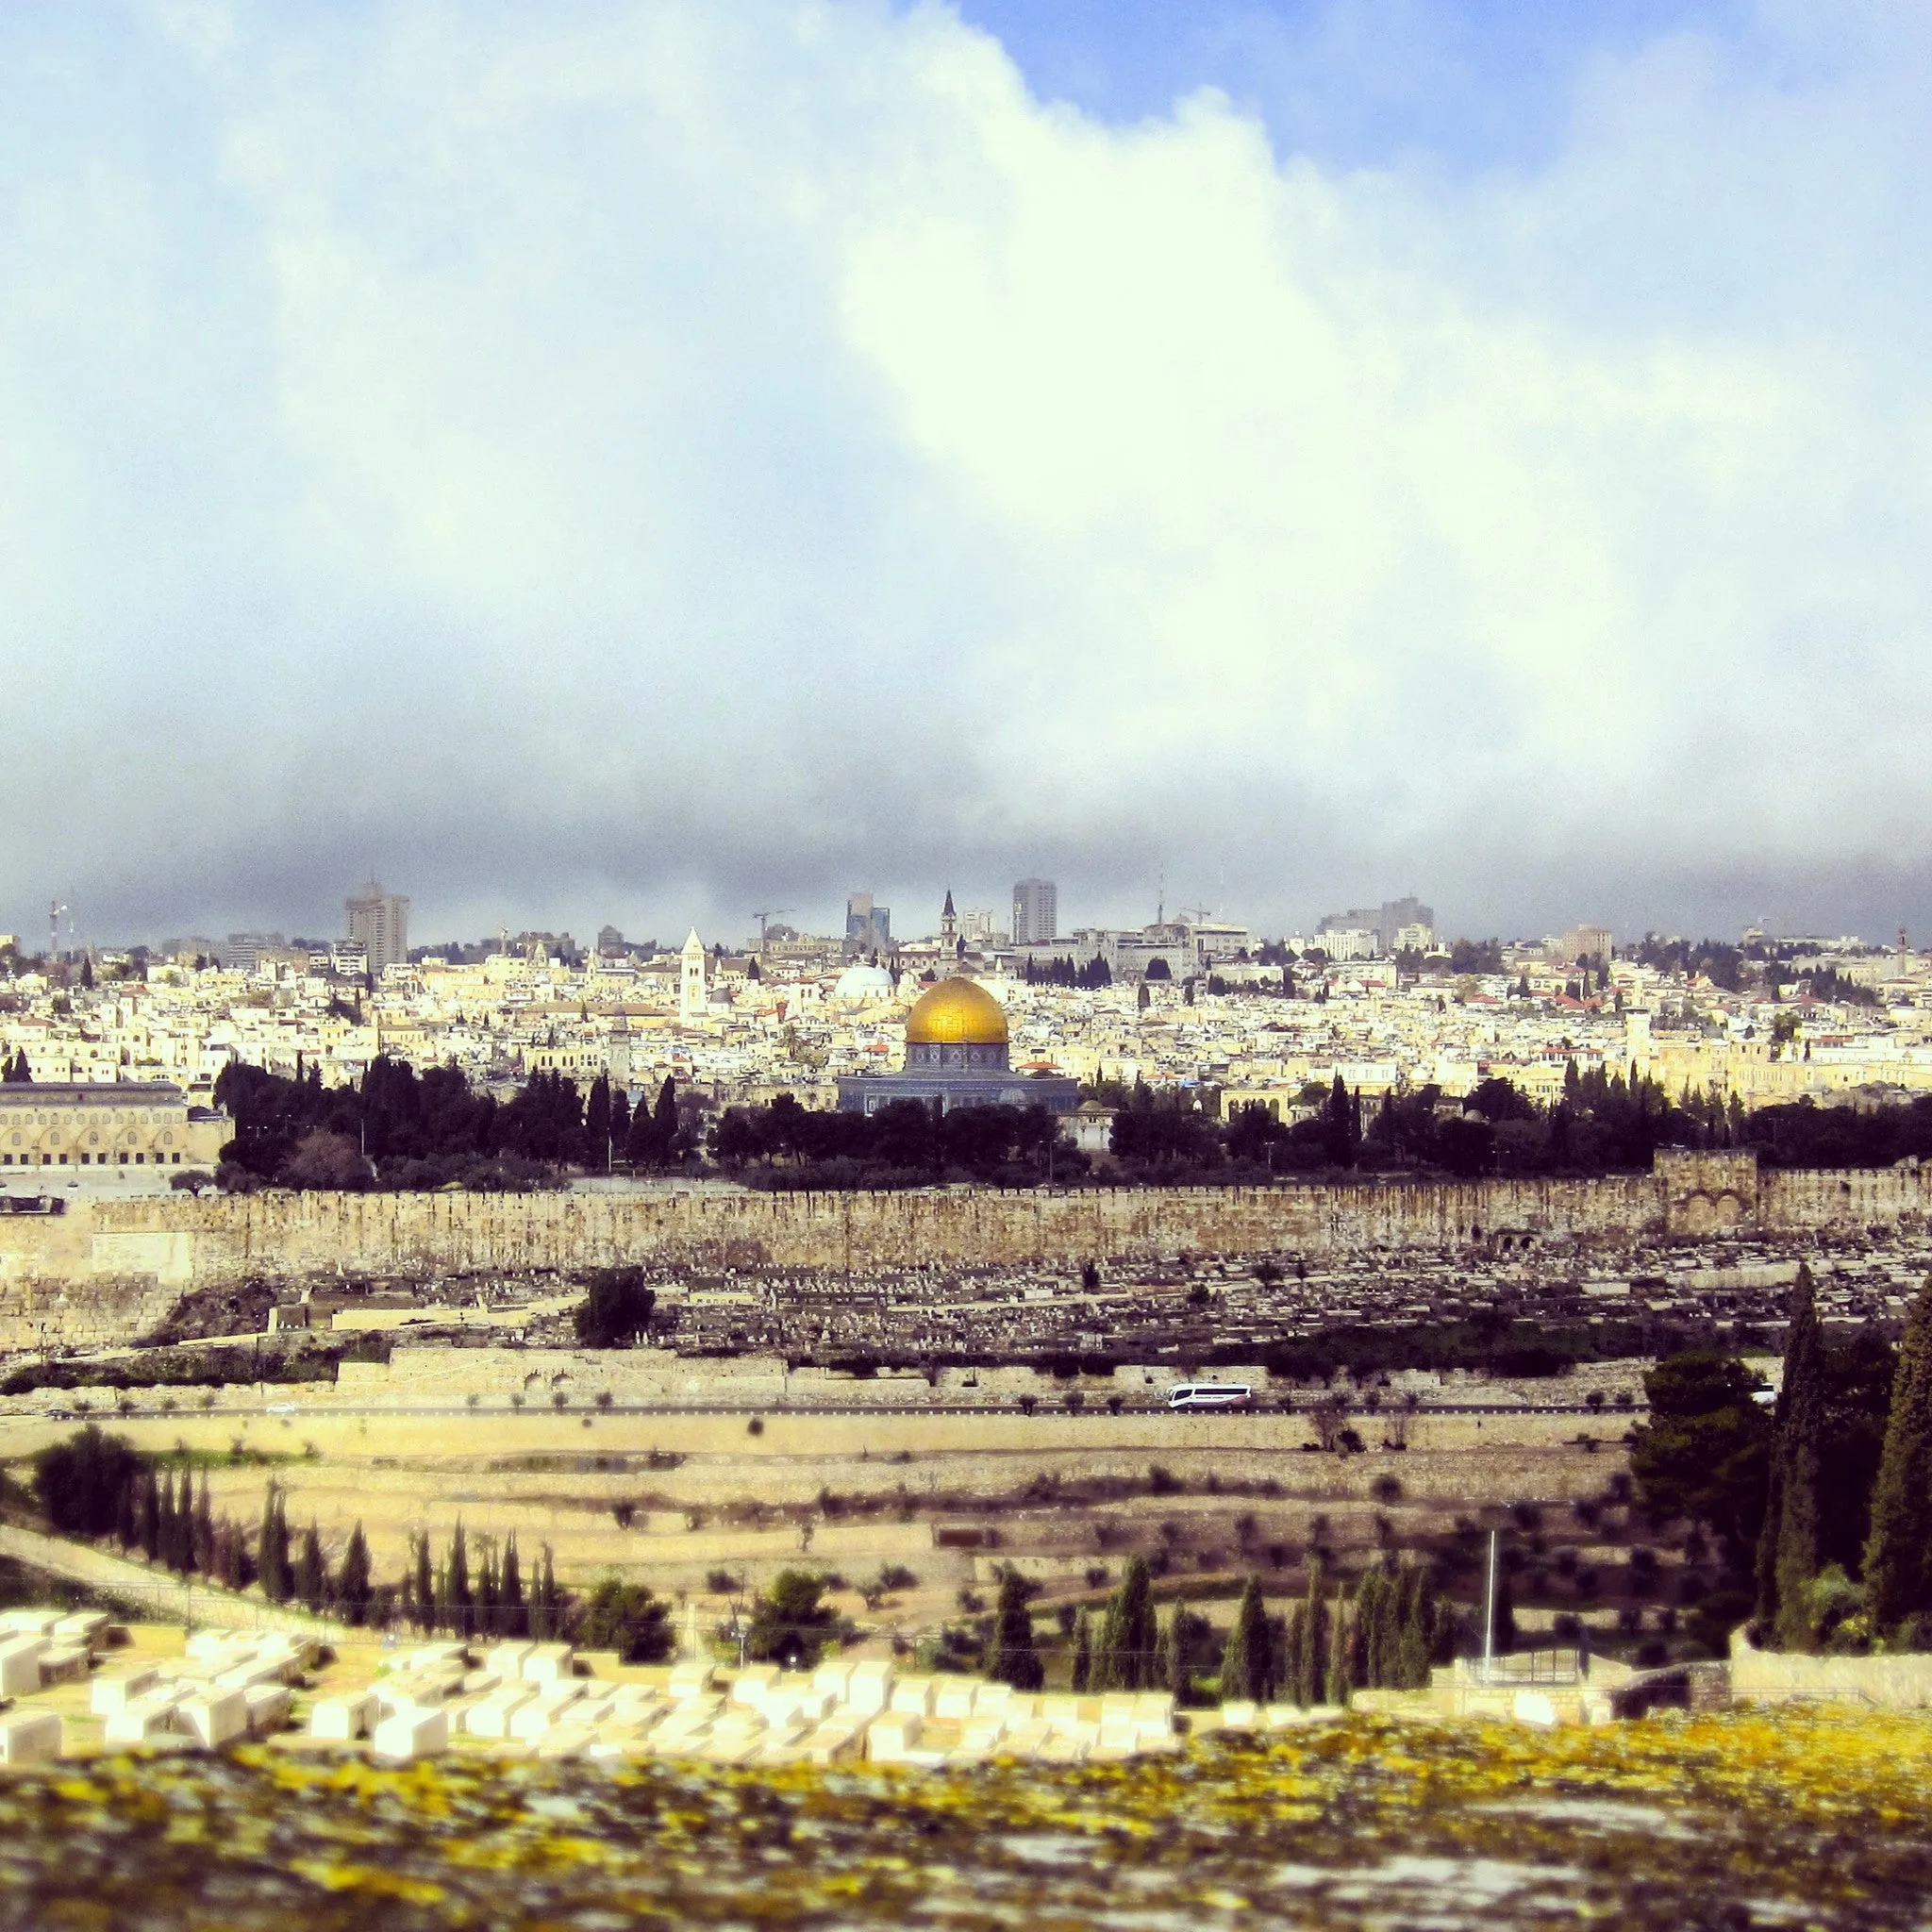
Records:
x=957, y=1055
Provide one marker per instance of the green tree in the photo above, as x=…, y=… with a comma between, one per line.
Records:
x=311, y=1572
x=628, y=1619
x=1015, y=1660
x=790, y=1625
x=1294, y=1643
x=1338, y=1682
x=513, y=1613
x=664, y=1123
x=1417, y=1638
x=81, y=1482
x=456, y=1606
x=616, y=1309
x=1124, y=1659
x=1247, y=1662
x=1898, y=1554
x=424, y=1589
x=1083, y=1654
x=597, y=1123
x=1314, y=1641
x=205, y=1530
x=487, y=1619
x=1787, y=1544
x=641, y=1138
x=353, y=1590
x=1704, y=1454
x=272, y=1549
x=546, y=1600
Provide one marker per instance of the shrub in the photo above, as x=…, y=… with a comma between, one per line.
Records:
x=80, y=1481
x=1388, y=1489
x=790, y=1625
x=616, y=1309
x=628, y=1619
x=756, y=1426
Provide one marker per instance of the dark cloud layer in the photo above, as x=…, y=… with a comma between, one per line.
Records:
x=649, y=463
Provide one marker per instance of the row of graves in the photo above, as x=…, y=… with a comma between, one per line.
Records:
x=71, y=1693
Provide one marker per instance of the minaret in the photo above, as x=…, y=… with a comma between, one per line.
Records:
x=691, y=980
x=618, y=1066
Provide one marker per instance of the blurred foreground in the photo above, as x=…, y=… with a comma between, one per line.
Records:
x=1726, y=1821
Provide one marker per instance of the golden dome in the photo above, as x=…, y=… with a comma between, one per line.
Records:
x=955, y=1013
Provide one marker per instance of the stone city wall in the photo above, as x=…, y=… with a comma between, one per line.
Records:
x=119, y=1262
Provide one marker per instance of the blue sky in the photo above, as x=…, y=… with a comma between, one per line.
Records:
x=643, y=460
x=1353, y=83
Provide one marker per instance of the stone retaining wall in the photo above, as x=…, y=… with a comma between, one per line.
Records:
x=1768, y=1676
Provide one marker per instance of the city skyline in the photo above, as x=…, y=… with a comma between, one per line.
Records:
x=647, y=464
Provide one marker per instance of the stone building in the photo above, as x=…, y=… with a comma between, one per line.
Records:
x=97, y=1125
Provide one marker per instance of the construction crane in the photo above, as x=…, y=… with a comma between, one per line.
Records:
x=762, y=918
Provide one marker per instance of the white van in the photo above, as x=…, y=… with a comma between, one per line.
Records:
x=1210, y=1395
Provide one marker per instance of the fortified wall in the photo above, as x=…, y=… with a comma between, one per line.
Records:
x=105, y=1270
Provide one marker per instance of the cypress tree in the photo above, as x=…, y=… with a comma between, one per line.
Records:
x=272, y=1559
x=456, y=1603
x=1390, y=1620
x=1083, y=1654
x=1293, y=1643
x=514, y=1613
x=148, y=1516
x=597, y=1127
x=485, y=1588
x=641, y=1143
x=1015, y=1659
x=1174, y=1673
x=1787, y=1546
x=620, y=1123
x=184, y=1524
x=664, y=1122
x=311, y=1572
x=546, y=1602
x=1338, y=1682
x=1365, y=1647
x=127, y=1513
x=1898, y=1554
x=1314, y=1648
x=163, y=1551
x=353, y=1592
x=1247, y=1662
x=1418, y=1629
x=205, y=1529
x=424, y=1592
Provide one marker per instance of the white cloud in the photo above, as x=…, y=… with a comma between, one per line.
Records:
x=613, y=453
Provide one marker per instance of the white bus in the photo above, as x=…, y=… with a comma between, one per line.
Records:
x=1210, y=1395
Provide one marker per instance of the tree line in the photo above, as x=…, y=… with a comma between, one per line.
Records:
x=398, y=1128
x=905, y=1143
x=97, y=1486
x=1822, y=1505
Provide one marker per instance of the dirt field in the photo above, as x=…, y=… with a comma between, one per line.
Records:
x=672, y=1500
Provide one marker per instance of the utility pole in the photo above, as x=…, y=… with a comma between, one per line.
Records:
x=1489, y=1614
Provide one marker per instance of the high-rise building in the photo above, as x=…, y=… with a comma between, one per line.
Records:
x=380, y=924
x=868, y=925
x=1036, y=911
x=1385, y=921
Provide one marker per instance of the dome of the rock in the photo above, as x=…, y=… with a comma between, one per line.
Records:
x=955, y=1013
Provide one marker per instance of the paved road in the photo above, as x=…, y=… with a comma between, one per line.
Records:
x=1045, y=1413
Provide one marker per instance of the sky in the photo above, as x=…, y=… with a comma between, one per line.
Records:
x=651, y=460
